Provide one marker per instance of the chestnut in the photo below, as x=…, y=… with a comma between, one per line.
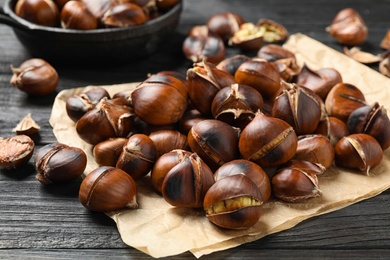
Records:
x=224, y=24
x=320, y=81
x=59, y=162
x=233, y=202
x=75, y=15
x=107, y=189
x=343, y=99
x=79, y=104
x=261, y=75
x=209, y=48
x=274, y=32
x=348, y=27
x=138, y=156
x=214, y=141
x=189, y=119
x=299, y=107
x=35, y=77
x=168, y=140
x=107, y=152
x=268, y=141
x=372, y=120
x=359, y=152
x=231, y=64
x=315, y=148
x=15, y=151
x=251, y=170
x=204, y=81
x=164, y=164
x=294, y=183
x=236, y=105
x=160, y=100
x=42, y=12
x=249, y=37
x=61, y=3
x=186, y=184
x=333, y=128
x=113, y=116
x=124, y=15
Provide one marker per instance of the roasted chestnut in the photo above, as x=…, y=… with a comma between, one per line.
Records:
x=186, y=184
x=160, y=100
x=333, y=128
x=231, y=64
x=209, y=48
x=164, y=164
x=236, y=105
x=224, y=24
x=35, y=77
x=296, y=181
x=138, y=156
x=15, y=151
x=274, y=32
x=168, y=140
x=358, y=151
x=214, y=141
x=204, y=81
x=248, y=38
x=113, y=116
x=108, y=188
x=59, y=162
x=124, y=15
x=107, y=153
x=233, y=202
x=79, y=104
x=268, y=141
x=372, y=120
x=42, y=12
x=75, y=15
x=348, y=27
x=189, y=119
x=251, y=170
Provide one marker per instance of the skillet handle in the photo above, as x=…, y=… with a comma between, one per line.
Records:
x=5, y=19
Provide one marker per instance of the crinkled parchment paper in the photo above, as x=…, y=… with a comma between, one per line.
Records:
x=159, y=229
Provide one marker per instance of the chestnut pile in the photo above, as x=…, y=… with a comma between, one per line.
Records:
x=91, y=14
x=227, y=137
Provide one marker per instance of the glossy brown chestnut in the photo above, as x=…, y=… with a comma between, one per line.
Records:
x=204, y=81
x=348, y=27
x=343, y=99
x=233, y=202
x=79, y=104
x=42, y=12
x=108, y=188
x=333, y=128
x=160, y=100
x=261, y=75
x=268, y=141
x=293, y=183
x=316, y=149
x=359, y=152
x=299, y=107
x=249, y=37
x=138, y=156
x=59, y=162
x=214, y=141
x=274, y=32
x=224, y=24
x=251, y=170
x=35, y=77
x=168, y=140
x=209, y=48
x=371, y=120
x=189, y=119
x=75, y=15
x=61, y=3
x=107, y=153
x=236, y=105
x=124, y=15
x=166, y=4
x=320, y=81
x=15, y=151
x=186, y=184
x=113, y=116
x=231, y=64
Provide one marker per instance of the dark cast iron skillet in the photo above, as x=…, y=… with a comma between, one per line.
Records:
x=100, y=45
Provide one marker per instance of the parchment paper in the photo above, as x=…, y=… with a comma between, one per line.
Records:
x=160, y=230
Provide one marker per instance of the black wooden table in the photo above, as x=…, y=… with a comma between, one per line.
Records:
x=49, y=222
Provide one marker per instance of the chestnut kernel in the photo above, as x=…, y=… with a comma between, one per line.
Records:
x=59, y=162
x=248, y=38
x=15, y=151
x=233, y=202
x=107, y=189
x=273, y=31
